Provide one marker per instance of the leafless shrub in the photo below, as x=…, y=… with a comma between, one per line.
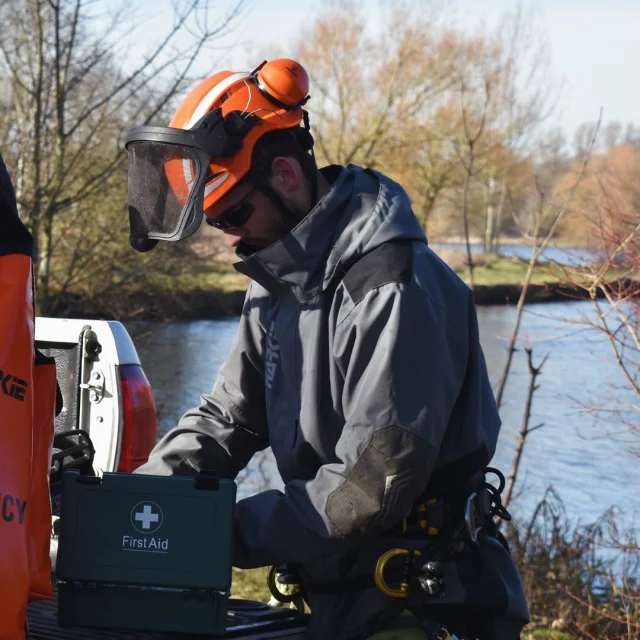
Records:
x=584, y=579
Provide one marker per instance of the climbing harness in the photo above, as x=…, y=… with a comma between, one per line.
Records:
x=452, y=523
x=428, y=575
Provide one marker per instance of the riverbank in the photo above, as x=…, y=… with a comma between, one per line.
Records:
x=161, y=305
x=219, y=292
x=199, y=304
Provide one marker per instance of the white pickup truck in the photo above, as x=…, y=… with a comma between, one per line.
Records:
x=107, y=422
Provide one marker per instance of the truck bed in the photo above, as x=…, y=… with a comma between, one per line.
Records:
x=246, y=620
x=93, y=352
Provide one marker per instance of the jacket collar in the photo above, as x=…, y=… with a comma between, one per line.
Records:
x=362, y=210
x=298, y=260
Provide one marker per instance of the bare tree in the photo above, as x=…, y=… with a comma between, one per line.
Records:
x=68, y=104
x=436, y=169
x=582, y=137
x=526, y=430
x=516, y=94
x=369, y=92
x=613, y=134
x=524, y=96
x=388, y=97
x=470, y=143
x=613, y=287
x=540, y=242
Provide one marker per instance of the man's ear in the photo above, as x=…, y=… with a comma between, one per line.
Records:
x=286, y=174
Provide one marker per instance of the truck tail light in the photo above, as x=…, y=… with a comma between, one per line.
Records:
x=139, y=422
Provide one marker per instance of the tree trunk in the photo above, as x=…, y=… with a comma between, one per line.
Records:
x=525, y=430
x=427, y=208
x=497, y=227
x=36, y=210
x=489, y=221
x=516, y=328
x=465, y=214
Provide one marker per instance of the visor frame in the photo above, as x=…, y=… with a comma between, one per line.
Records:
x=188, y=221
x=212, y=136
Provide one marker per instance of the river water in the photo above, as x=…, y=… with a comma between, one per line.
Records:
x=592, y=464
x=570, y=256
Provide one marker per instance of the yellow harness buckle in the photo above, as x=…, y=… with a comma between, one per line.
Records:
x=378, y=575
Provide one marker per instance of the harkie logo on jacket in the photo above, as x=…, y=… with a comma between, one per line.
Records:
x=273, y=355
x=12, y=386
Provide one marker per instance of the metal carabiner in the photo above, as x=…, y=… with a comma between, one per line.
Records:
x=378, y=574
x=471, y=521
x=285, y=593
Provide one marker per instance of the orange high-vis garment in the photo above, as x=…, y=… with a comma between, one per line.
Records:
x=39, y=515
x=16, y=420
x=26, y=429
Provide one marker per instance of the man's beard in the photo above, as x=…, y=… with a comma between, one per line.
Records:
x=280, y=226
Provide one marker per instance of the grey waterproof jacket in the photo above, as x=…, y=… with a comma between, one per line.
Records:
x=357, y=360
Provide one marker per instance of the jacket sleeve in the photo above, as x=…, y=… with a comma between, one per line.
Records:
x=229, y=426
x=15, y=238
x=402, y=363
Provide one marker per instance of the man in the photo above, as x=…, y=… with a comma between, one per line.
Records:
x=357, y=360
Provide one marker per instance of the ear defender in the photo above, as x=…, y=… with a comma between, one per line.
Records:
x=283, y=82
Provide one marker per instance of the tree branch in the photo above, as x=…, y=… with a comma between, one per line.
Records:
x=525, y=430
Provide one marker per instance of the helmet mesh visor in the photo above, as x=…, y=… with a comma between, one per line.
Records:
x=162, y=180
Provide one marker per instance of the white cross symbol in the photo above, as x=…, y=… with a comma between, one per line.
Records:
x=147, y=517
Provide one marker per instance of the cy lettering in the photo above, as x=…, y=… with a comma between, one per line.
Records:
x=12, y=509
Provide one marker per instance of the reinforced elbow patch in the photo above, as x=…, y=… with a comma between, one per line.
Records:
x=380, y=489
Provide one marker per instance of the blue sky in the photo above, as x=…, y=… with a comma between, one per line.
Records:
x=595, y=46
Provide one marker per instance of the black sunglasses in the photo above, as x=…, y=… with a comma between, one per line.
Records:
x=234, y=217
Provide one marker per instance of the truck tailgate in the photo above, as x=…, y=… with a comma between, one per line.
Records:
x=246, y=620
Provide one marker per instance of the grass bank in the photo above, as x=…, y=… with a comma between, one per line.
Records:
x=207, y=290
x=250, y=584
x=489, y=270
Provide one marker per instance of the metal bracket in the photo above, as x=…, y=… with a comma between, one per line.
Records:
x=95, y=387
x=92, y=347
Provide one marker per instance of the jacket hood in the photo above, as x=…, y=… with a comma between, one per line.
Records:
x=362, y=210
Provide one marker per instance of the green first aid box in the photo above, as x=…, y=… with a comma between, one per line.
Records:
x=145, y=552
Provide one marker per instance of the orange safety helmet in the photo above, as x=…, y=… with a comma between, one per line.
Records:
x=177, y=172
